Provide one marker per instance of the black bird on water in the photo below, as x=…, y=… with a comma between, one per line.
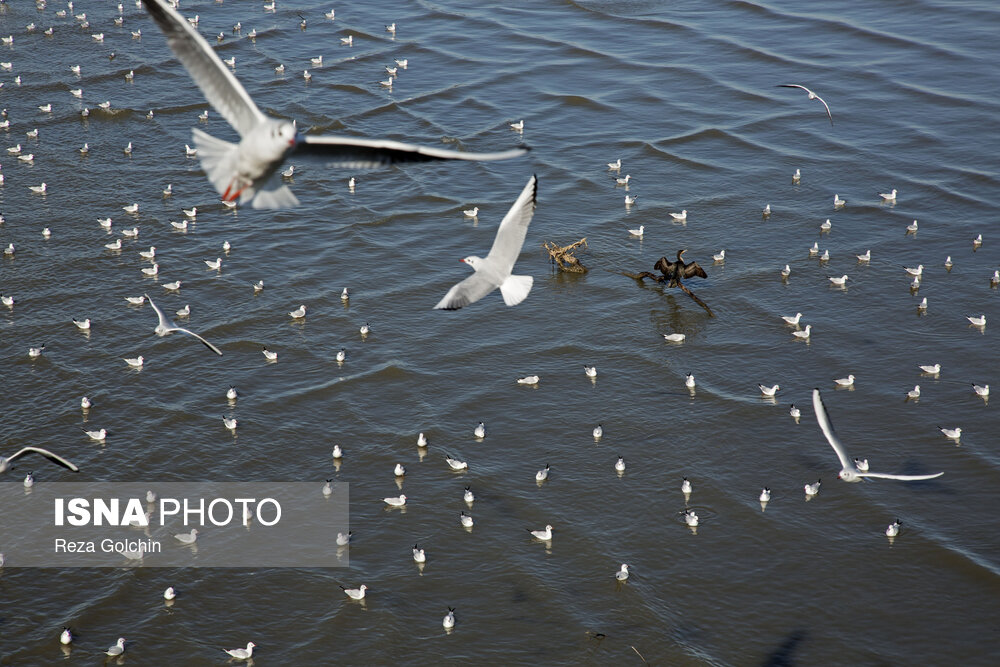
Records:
x=673, y=272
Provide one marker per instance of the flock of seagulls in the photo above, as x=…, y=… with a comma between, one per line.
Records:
x=242, y=173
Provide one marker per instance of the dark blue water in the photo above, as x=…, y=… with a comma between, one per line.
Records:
x=686, y=95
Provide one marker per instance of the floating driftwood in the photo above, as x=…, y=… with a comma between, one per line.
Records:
x=672, y=274
x=563, y=256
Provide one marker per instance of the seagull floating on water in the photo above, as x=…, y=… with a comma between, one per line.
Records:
x=466, y=520
x=888, y=196
x=529, y=380
x=680, y=217
x=983, y=390
x=689, y=381
x=187, y=538
x=241, y=653
x=765, y=495
x=838, y=202
x=240, y=171
x=979, y=321
x=395, y=501
x=542, y=474
x=690, y=518
x=675, y=337
x=590, y=371
x=495, y=270
x=794, y=412
x=813, y=489
x=912, y=227
x=848, y=472
x=931, y=370
x=117, y=649
x=544, y=535
x=804, y=334
x=893, y=529
x=845, y=382
x=951, y=433
x=914, y=393
x=792, y=319
x=768, y=391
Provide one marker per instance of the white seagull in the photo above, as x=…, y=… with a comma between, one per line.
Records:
x=848, y=472
x=845, y=382
x=598, y=432
x=839, y=282
x=544, y=535
x=981, y=390
x=893, y=528
x=794, y=412
x=979, y=321
x=355, y=593
x=951, y=433
x=395, y=502
x=867, y=257
x=804, y=334
x=888, y=196
x=542, y=474
x=812, y=96
x=792, y=319
x=813, y=489
x=240, y=171
x=932, y=370
x=241, y=653
x=5, y=461
x=164, y=328
x=622, y=574
x=99, y=436
x=680, y=217
x=495, y=270
x=675, y=337
x=187, y=538
x=769, y=391
x=449, y=620
x=117, y=649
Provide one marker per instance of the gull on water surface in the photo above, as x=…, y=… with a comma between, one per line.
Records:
x=241, y=653
x=496, y=269
x=241, y=171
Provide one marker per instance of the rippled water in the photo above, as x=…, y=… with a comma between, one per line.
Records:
x=685, y=93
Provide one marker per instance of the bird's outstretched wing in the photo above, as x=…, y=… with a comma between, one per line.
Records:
x=902, y=477
x=55, y=458
x=513, y=228
x=470, y=290
x=220, y=87
x=693, y=269
x=207, y=344
x=824, y=423
x=164, y=322
x=359, y=153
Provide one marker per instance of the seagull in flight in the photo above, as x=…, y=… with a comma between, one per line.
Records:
x=495, y=270
x=812, y=96
x=849, y=472
x=55, y=458
x=241, y=171
x=163, y=328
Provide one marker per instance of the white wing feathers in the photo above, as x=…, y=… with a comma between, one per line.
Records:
x=495, y=270
x=824, y=423
x=222, y=90
x=358, y=153
x=513, y=228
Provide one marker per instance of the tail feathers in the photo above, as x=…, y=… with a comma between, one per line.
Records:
x=218, y=159
x=280, y=197
x=515, y=289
